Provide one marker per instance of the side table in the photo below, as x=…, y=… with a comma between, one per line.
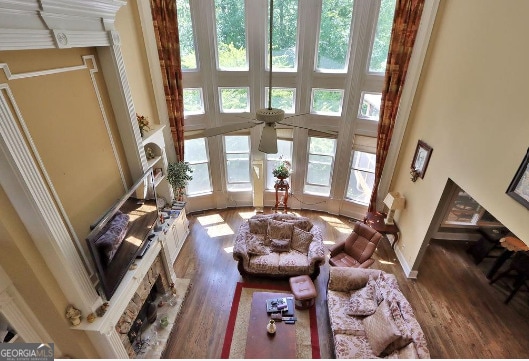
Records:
x=282, y=186
x=375, y=220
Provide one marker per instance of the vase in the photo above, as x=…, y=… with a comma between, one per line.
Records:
x=271, y=327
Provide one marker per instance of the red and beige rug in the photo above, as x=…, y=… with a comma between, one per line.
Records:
x=308, y=345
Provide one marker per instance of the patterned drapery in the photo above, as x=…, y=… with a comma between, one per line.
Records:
x=168, y=42
x=405, y=26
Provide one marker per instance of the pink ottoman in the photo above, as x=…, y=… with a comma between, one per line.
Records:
x=304, y=291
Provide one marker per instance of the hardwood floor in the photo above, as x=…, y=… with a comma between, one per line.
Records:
x=461, y=315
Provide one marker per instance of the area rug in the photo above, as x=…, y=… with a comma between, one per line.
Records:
x=308, y=344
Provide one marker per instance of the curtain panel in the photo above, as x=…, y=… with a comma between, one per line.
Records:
x=405, y=25
x=168, y=43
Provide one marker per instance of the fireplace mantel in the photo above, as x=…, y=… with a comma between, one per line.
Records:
x=103, y=330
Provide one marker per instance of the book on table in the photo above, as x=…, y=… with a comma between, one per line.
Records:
x=284, y=305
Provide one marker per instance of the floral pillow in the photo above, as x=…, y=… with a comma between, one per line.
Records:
x=363, y=301
x=258, y=226
x=301, y=240
x=255, y=246
x=279, y=230
x=280, y=245
x=301, y=222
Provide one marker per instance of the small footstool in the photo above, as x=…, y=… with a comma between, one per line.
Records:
x=304, y=291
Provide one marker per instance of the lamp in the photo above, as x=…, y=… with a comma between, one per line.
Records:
x=394, y=201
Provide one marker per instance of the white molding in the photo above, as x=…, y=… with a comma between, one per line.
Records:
x=28, y=191
x=408, y=95
x=42, y=24
x=113, y=66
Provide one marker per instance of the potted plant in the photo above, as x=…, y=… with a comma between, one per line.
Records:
x=283, y=170
x=178, y=175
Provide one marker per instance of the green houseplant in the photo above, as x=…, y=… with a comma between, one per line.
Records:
x=178, y=175
x=282, y=171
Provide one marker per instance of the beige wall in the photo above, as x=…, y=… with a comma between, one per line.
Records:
x=471, y=107
x=66, y=124
x=129, y=27
x=65, y=121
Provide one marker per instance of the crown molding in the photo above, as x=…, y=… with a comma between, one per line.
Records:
x=42, y=24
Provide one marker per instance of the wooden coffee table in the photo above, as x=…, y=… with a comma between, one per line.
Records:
x=259, y=344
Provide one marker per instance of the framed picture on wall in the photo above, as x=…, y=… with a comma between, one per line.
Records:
x=519, y=187
x=422, y=155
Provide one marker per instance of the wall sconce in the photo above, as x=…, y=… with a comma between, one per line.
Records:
x=394, y=201
x=414, y=174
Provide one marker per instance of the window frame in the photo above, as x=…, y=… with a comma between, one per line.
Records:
x=207, y=162
x=226, y=152
x=333, y=159
x=351, y=169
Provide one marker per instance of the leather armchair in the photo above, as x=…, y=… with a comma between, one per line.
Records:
x=357, y=249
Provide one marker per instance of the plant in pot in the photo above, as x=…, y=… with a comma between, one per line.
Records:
x=178, y=175
x=283, y=170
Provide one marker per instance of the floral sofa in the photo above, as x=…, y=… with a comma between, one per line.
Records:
x=370, y=317
x=279, y=245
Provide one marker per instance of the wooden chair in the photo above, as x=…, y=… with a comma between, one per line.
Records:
x=357, y=249
x=519, y=268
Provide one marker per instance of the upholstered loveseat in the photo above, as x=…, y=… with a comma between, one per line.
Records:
x=370, y=317
x=278, y=245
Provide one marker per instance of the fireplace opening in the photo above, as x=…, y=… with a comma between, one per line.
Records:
x=147, y=314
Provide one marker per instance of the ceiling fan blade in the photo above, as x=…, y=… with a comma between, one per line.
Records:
x=228, y=128
x=268, y=143
x=296, y=115
x=331, y=132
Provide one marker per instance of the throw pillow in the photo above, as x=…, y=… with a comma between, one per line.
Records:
x=279, y=230
x=280, y=245
x=402, y=326
x=256, y=247
x=301, y=222
x=381, y=329
x=379, y=297
x=301, y=240
x=258, y=226
x=363, y=301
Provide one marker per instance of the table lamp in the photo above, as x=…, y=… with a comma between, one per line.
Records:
x=394, y=201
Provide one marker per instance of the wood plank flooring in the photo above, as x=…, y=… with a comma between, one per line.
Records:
x=461, y=315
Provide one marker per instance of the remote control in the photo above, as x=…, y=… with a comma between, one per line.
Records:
x=290, y=319
x=290, y=322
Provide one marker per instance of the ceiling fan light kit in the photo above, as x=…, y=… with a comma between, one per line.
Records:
x=268, y=143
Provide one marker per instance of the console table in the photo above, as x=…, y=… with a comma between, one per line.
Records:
x=375, y=220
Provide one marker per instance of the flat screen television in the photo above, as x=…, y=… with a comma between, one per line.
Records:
x=122, y=232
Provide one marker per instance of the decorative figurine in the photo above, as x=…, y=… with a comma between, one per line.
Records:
x=73, y=315
x=149, y=153
x=102, y=309
x=91, y=317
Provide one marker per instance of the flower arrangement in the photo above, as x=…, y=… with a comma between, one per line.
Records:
x=283, y=170
x=143, y=123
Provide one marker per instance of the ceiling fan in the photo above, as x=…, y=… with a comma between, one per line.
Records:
x=267, y=116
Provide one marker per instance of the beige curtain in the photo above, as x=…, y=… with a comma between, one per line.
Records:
x=168, y=42
x=405, y=26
